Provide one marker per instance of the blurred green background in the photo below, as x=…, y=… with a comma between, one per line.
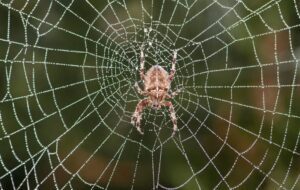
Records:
x=68, y=70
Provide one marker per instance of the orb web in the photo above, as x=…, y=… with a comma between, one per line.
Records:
x=68, y=70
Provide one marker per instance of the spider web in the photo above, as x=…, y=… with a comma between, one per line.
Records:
x=68, y=70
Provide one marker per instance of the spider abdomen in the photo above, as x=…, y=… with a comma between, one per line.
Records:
x=156, y=78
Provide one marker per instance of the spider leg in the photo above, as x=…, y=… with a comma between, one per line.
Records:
x=173, y=116
x=137, y=115
x=140, y=91
x=172, y=72
x=142, y=62
x=176, y=92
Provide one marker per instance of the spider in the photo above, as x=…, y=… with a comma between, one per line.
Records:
x=157, y=82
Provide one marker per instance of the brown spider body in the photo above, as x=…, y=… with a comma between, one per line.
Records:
x=157, y=82
x=157, y=85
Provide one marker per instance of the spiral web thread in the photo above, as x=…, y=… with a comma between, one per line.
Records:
x=68, y=70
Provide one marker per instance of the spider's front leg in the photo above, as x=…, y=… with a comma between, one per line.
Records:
x=137, y=115
x=172, y=72
x=173, y=116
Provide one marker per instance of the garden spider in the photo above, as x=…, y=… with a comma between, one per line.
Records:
x=157, y=83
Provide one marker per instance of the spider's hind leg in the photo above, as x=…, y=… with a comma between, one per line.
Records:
x=173, y=70
x=142, y=63
x=176, y=92
x=140, y=91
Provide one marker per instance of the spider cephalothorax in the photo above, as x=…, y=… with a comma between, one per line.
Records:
x=157, y=83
